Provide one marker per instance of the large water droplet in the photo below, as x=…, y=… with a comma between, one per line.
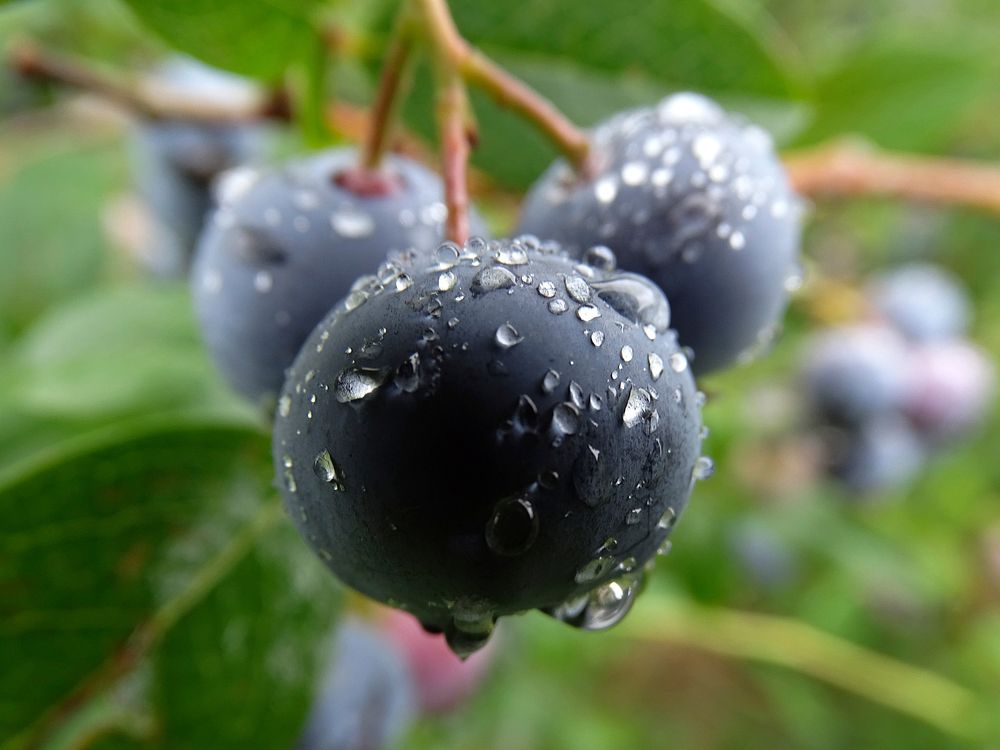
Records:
x=512, y=528
x=638, y=407
x=635, y=298
x=577, y=288
x=507, y=336
x=655, y=366
x=587, y=313
x=354, y=383
x=327, y=471
x=549, y=381
x=407, y=377
x=492, y=278
x=678, y=362
x=565, y=419
x=704, y=467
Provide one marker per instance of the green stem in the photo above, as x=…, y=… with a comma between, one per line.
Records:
x=771, y=639
x=456, y=53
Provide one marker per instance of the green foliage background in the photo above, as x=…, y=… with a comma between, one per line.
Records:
x=152, y=594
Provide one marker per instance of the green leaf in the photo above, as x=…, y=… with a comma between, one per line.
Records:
x=907, y=94
x=258, y=38
x=688, y=43
x=51, y=238
x=159, y=536
x=133, y=349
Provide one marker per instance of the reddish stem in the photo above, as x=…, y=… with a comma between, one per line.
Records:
x=455, y=140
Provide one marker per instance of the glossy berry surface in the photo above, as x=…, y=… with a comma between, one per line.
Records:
x=286, y=244
x=924, y=302
x=496, y=430
x=695, y=199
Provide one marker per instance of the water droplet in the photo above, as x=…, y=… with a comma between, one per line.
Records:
x=638, y=407
x=547, y=289
x=549, y=381
x=626, y=353
x=597, y=338
x=525, y=414
x=284, y=405
x=633, y=517
x=403, y=282
x=558, y=306
x=565, y=419
x=600, y=257
x=355, y=299
x=507, y=336
x=704, y=467
x=606, y=189
x=512, y=528
x=447, y=255
x=587, y=313
x=577, y=288
x=597, y=568
x=327, y=471
x=407, y=376
x=511, y=255
x=678, y=362
x=447, y=281
x=576, y=394
x=655, y=366
x=348, y=221
x=635, y=298
x=492, y=278
x=635, y=173
x=263, y=282
x=354, y=383
x=737, y=241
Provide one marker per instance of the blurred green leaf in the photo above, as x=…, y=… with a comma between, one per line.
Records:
x=130, y=349
x=51, y=238
x=258, y=38
x=901, y=93
x=693, y=43
x=158, y=535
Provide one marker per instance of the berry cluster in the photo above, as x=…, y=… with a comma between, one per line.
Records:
x=889, y=391
x=471, y=430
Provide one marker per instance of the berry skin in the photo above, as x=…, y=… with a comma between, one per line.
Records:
x=951, y=390
x=854, y=373
x=286, y=244
x=924, y=302
x=695, y=199
x=174, y=163
x=367, y=698
x=492, y=430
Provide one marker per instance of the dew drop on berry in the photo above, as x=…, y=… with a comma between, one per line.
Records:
x=512, y=528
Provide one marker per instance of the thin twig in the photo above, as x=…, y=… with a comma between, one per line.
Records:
x=844, y=168
x=505, y=89
x=391, y=83
x=452, y=122
x=143, y=98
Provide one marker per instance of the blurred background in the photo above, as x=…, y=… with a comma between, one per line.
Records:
x=151, y=592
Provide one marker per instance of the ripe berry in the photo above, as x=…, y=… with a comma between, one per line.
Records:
x=367, y=698
x=951, y=389
x=175, y=161
x=695, y=199
x=877, y=455
x=286, y=244
x=853, y=373
x=922, y=301
x=492, y=430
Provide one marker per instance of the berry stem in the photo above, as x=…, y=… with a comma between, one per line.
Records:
x=847, y=168
x=140, y=98
x=506, y=90
x=918, y=693
x=392, y=83
x=452, y=111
